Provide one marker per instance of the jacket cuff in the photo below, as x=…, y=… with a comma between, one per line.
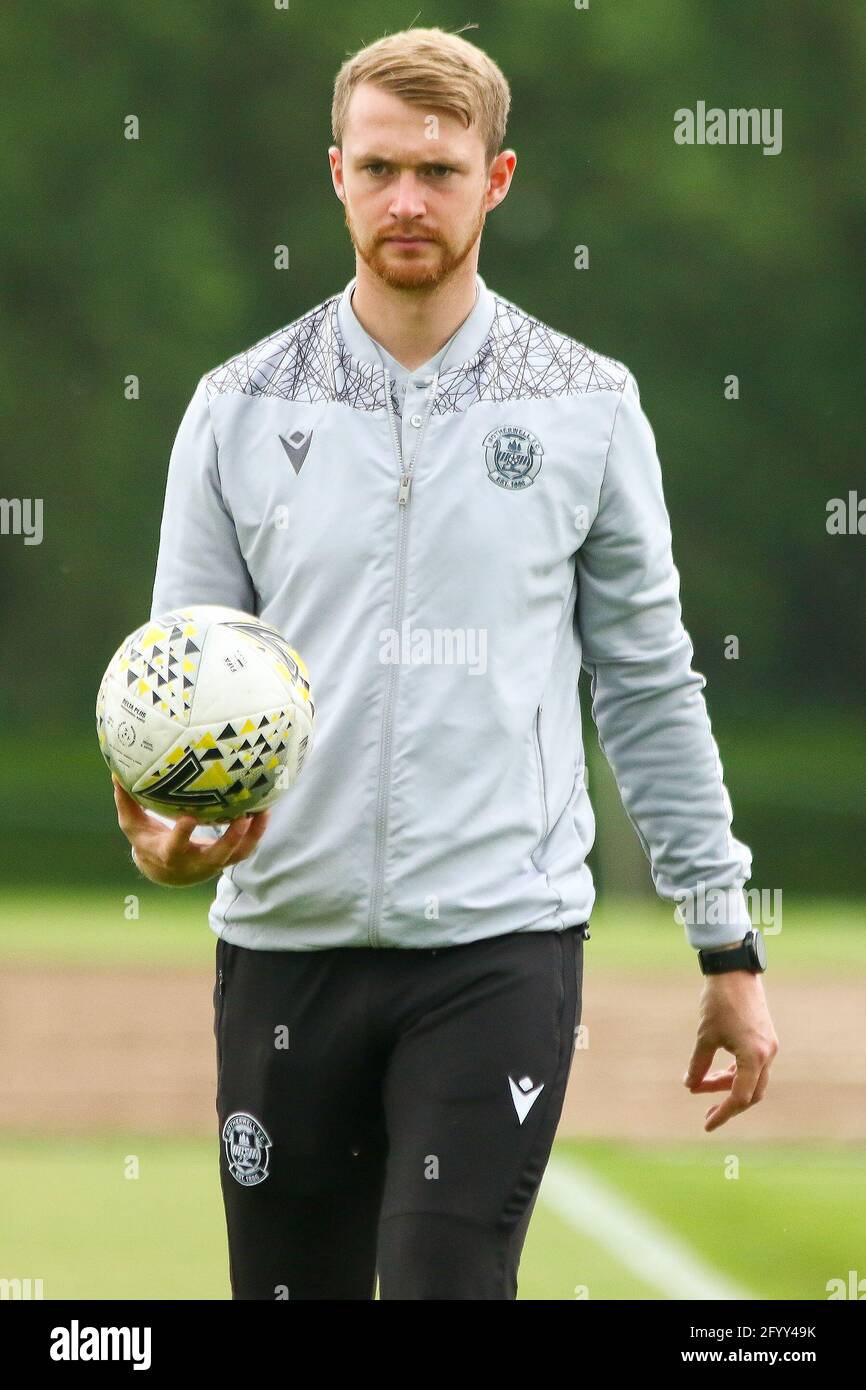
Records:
x=713, y=916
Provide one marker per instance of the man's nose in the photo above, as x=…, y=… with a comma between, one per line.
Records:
x=408, y=199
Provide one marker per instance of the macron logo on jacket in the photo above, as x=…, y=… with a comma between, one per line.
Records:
x=516, y=495
x=297, y=447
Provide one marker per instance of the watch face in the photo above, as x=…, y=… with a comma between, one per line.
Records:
x=759, y=946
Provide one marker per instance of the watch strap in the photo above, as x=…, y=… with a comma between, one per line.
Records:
x=745, y=956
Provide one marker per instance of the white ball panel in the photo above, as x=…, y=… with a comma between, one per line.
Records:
x=136, y=736
x=234, y=676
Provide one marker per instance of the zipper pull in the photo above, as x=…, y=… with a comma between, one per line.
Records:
x=405, y=486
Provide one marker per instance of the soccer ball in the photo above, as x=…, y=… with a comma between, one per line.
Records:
x=206, y=711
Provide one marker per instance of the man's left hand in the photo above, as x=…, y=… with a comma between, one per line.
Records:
x=733, y=1015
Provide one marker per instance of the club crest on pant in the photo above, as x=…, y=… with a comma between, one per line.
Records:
x=513, y=457
x=247, y=1146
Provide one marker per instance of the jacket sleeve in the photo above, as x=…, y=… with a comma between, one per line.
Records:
x=199, y=559
x=647, y=701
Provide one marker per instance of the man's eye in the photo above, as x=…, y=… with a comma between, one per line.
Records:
x=438, y=171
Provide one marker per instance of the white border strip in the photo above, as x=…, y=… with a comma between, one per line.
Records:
x=635, y=1239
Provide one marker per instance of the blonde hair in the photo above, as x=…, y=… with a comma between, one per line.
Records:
x=430, y=68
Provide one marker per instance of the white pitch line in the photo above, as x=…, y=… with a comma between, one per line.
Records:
x=635, y=1239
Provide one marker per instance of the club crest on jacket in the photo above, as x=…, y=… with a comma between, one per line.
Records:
x=513, y=457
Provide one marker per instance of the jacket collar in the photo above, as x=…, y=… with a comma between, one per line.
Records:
x=462, y=348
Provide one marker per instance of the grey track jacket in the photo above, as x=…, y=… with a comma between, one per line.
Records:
x=445, y=563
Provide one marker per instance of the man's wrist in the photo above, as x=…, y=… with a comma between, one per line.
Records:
x=750, y=953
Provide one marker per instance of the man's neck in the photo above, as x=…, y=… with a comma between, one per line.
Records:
x=413, y=324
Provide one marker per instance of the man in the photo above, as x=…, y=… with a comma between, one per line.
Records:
x=447, y=507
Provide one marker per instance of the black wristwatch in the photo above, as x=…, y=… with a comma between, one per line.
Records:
x=751, y=954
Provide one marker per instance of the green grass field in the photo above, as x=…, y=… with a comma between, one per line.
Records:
x=91, y=927
x=794, y=1219
x=631, y=1221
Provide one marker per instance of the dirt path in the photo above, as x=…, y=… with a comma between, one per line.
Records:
x=628, y=1082
x=85, y=1050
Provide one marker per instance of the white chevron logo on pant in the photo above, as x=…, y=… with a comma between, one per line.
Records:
x=524, y=1095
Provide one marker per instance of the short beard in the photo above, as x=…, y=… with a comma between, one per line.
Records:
x=410, y=275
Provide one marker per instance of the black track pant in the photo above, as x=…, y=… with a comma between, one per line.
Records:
x=390, y=1111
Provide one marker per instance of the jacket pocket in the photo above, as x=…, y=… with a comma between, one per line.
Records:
x=542, y=790
x=560, y=1002
x=219, y=992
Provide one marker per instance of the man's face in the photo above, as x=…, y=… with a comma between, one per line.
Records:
x=415, y=187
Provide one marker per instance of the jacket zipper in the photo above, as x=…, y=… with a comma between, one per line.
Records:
x=404, y=492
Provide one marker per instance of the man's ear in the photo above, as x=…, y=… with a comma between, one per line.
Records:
x=335, y=160
x=500, y=174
